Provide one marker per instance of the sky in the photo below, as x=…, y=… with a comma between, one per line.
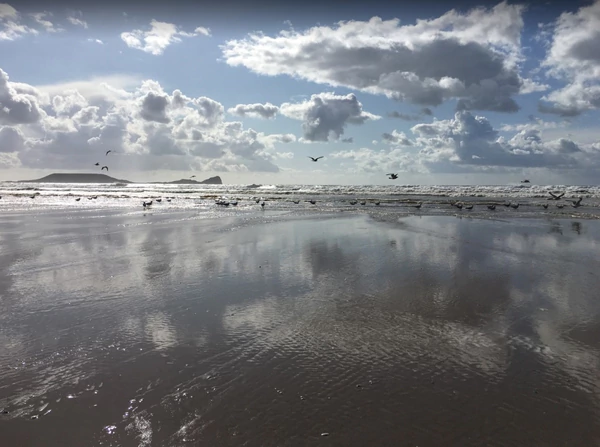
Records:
x=438, y=92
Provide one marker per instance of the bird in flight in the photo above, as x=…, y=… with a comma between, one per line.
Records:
x=192, y=176
x=104, y=167
x=525, y=181
x=392, y=176
x=107, y=152
x=315, y=159
x=97, y=164
x=577, y=203
x=554, y=196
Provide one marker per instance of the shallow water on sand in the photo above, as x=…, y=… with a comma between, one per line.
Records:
x=272, y=329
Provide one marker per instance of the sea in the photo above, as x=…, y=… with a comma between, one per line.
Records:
x=397, y=199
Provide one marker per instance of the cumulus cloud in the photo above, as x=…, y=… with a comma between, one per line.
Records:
x=147, y=128
x=472, y=57
x=158, y=37
x=18, y=103
x=574, y=57
x=470, y=140
x=265, y=111
x=396, y=138
x=467, y=144
x=324, y=116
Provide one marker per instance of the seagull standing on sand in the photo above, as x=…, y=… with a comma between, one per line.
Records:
x=262, y=205
x=377, y=202
x=515, y=206
x=104, y=167
x=545, y=205
x=315, y=159
x=78, y=199
x=491, y=207
x=469, y=207
x=418, y=205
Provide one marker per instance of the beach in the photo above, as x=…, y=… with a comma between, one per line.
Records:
x=281, y=328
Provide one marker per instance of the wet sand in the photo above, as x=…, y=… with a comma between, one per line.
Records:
x=168, y=330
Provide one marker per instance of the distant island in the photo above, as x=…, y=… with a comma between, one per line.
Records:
x=102, y=178
x=187, y=181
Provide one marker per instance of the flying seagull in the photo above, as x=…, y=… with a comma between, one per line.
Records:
x=554, y=196
x=525, y=181
x=104, y=167
x=577, y=203
x=392, y=176
x=192, y=176
x=108, y=152
x=97, y=164
x=315, y=159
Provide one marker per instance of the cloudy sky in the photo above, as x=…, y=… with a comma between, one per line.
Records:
x=440, y=93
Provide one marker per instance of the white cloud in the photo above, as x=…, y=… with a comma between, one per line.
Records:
x=11, y=27
x=18, y=103
x=396, y=138
x=471, y=141
x=473, y=57
x=76, y=18
x=98, y=41
x=202, y=30
x=7, y=12
x=159, y=37
x=468, y=144
x=41, y=19
x=265, y=111
x=324, y=116
x=574, y=57
x=68, y=126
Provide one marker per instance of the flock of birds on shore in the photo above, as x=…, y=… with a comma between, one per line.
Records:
x=392, y=176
